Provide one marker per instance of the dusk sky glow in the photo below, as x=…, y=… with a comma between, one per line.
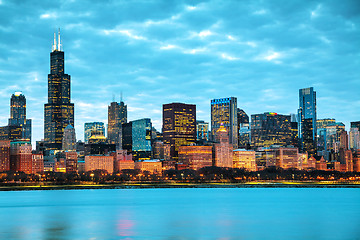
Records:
x=158, y=52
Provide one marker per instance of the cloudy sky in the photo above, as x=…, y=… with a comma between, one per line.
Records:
x=157, y=52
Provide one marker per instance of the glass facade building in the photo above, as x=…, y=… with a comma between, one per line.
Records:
x=224, y=111
x=307, y=120
x=141, y=139
x=202, y=131
x=93, y=128
x=59, y=111
x=270, y=129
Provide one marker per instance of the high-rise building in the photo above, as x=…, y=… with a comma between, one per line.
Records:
x=18, y=114
x=355, y=125
x=179, y=126
x=37, y=163
x=93, y=128
x=59, y=111
x=141, y=139
x=307, y=120
x=117, y=115
x=69, y=139
x=243, y=129
x=354, y=138
x=202, y=131
x=223, y=149
x=224, y=111
x=270, y=129
x=21, y=156
x=4, y=155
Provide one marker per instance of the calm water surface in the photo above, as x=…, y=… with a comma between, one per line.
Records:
x=240, y=213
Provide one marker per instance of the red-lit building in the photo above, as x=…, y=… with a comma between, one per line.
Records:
x=4, y=155
x=196, y=157
x=243, y=158
x=37, y=163
x=320, y=163
x=99, y=162
x=223, y=149
x=21, y=156
x=152, y=166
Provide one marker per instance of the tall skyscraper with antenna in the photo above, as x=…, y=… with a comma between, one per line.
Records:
x=59, y=111
x=117, y=115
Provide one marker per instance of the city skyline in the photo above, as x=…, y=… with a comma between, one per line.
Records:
x=147, y=55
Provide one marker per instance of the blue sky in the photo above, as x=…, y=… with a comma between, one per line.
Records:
x=157, y=52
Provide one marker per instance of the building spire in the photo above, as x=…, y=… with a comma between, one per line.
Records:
x=121, y=96
x=54, y=44
x=59, y=43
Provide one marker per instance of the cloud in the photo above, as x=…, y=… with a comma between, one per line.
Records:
x=158, y=52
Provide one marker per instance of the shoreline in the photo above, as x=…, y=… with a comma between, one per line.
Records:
x=139, y=185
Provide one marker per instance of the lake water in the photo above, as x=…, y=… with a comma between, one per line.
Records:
x=221, y=213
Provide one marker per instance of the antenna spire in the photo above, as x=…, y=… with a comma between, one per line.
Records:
x=121, y=96
x=54, y=44
x=113, y=97
x=59, y=44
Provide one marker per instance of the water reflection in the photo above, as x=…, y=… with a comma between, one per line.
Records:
x=181, y=214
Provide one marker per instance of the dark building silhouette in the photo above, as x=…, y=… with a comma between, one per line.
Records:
x=117, y=115
x=243, y=129
x=179, y=126
x=18, y=114
x=307, y=120
x=59, y=111
x=270, y=129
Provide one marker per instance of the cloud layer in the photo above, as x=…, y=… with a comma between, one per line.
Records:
x=157, y=52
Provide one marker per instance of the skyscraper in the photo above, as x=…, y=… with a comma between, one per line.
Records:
x=93, y=128
x=18, y=114
x=69, y=139
x=117, y=115
x=224, y=112
x=179, y=126
x=307, y=120
x=59, y=111
x=270, y=129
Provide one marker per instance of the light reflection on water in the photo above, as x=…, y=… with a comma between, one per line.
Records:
x=220, y=213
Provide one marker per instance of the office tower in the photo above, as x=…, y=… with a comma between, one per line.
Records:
x=202, y=131
x=126, y=137
x=223, y=149
x=224, y=111
x=117, y=115
x=141, y=139
x=244, y=159
x=11, y=133
x=307, y=120
x=18, y=114
x=59, y=111
x=21, y=156
x=355, y=125
x=37, y=163
x=4, y=155
x=179, y=126
x=69, y=139
x=243, y=129
x=323, y=123
x=270, y=129
x=93, y=128
x=69, y=159
x=242, y=117
x=196, y=157
x=354, y=138
x=344, y=140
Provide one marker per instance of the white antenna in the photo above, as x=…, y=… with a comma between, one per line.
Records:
x=54, y=45
x=59, y=44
